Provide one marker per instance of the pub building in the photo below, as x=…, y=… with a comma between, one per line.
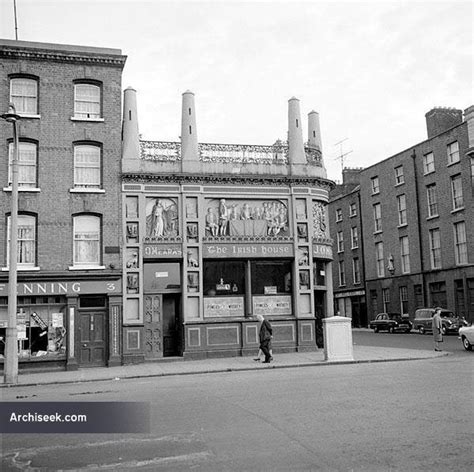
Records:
x=215, y=234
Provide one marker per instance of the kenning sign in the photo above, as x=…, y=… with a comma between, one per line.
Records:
x=64, y=288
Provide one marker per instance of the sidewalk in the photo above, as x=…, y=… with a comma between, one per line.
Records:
x=178, y=366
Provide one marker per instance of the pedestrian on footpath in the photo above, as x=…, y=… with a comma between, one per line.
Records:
x=437, y=327
x=265, y=338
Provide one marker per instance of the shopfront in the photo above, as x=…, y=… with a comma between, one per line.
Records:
x=65, y=324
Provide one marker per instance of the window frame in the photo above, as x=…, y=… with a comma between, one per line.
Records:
x=375, y=185
x=35, y=98
x=78, y=114
x=338, y=215
x=435, y=248
x=457, y=195
x=461, y=255
x=356, y=273
x=452, y=155
x=377, y=213
x=342, y=273
x=432, y=200
x=405, y=254
x=85, y=187
x=379, y=259
x=427, y=165
x=352, y=209
x=399, y=177
x=89, y=264
x=354, y=237
x=23, y=164
x=402, y=210
x=22, y=242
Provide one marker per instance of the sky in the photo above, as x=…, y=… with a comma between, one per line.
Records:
x=370, y=69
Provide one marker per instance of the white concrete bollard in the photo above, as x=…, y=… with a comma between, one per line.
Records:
x=338, y=339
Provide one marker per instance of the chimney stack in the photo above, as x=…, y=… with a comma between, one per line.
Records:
x=314, y=131
x=296, y=153
x=130, y=135
x=440, y=119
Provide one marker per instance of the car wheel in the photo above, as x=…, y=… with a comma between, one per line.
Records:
x=467, y=345
x=391, y=330
x=421, y=330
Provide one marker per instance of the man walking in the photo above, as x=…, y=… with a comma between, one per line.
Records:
x=265, y=338
x=437, y=326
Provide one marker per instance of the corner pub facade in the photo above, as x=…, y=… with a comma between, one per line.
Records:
x=215, y=234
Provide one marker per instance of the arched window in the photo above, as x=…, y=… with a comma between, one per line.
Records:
x=86, y=251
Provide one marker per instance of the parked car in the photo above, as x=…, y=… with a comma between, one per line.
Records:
x=391, y=322
x=450, y=322
x=466, y=335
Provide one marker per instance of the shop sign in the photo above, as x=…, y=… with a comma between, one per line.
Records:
x=162, y=251
x=218, y=307
x=248, y=250
x=65, y=288
x=322, y=251
x=272, y=305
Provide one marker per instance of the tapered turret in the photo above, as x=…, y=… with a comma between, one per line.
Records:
x=130, y=135
x=296, y=152
x=314, y=131
x=189, y=141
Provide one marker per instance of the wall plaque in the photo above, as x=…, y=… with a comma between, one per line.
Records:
x=248, y=250
x=272, y=305
x=219, y=307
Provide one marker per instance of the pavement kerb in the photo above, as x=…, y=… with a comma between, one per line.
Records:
x=222, y=370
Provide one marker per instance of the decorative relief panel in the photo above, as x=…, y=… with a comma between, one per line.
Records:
x=131, y=207
x=253, y=218
x=162, y=217
x=319, y=220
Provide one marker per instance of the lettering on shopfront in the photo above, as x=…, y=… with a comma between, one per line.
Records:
x=164, y=252
x=67, y=288
x=253, y=250
x=322, y=251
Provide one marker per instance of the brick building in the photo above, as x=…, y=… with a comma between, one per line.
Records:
x=345, y=226
x=418, y=221
x=69, y=259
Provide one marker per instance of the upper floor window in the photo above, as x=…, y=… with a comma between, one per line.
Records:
x=338, y=214
x=354, y=237
x=375, y=185
x=456, y=191
x=340, y=241
x=379, y=259
x=428, y=163
x=342, y=273
x=402, y=209
x=405, y=254
x=403, y=292
x=377, y=217
x=352, y=209
x=460, y=243
x=26, y=249
x=356, y=270
x=87, y=101
x=399, y=177
x=24, y=95
x=27, y=164
x=453, y=152
x=432, y=199
x=86, y=250
x=435, y=248
x=87, y=166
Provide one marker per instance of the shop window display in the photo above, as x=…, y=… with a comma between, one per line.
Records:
x=41, y=327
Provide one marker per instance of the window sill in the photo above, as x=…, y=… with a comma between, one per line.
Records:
x=432, y=217
x=30, y=117
x=378, y=232
x=23, y=189
x=86, y=267
x=354, y=247
x=399, y=183
x=456, y=210
x=86, y=190
x=375, y=193
x=21, y=268
x=404, y=225
x=353, y=216
x=90, y=120
x=453, y=163
x=429, y=173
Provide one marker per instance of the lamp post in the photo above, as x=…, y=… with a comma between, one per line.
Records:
x=11, y=345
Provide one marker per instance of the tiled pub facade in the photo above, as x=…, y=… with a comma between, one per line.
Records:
x=215, y=234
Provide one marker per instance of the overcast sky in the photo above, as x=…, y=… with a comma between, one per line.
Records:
x=370, y=69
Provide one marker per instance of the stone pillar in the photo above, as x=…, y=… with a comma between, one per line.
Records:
x=296, y=153
x=189, y=140
x=72, y=321
x=130, y=135
x=338, y=339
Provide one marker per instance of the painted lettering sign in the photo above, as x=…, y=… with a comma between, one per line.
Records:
x=272, y=305
x=64, y=288
x=162, y=251
x=248, y=250
x=322, y=251
x=218, y=307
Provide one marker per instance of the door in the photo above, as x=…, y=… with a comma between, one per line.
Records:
x=92, y=337
x=319, y=297
x=171, y=325
x=153, y=326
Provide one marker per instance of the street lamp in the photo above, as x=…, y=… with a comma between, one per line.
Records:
x=11, y=345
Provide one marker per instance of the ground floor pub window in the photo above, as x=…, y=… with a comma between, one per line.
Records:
x=41, y=326
x=224, y=288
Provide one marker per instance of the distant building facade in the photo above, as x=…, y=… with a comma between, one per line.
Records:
x=215, y=234
x=69, y=231
x=345, y=225
x=418, y=221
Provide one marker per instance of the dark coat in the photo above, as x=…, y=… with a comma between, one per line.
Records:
x=266, y=331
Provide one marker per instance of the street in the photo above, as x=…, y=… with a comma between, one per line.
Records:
x=390, y=416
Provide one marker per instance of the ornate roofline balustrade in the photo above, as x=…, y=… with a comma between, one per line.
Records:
x=167, y=151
